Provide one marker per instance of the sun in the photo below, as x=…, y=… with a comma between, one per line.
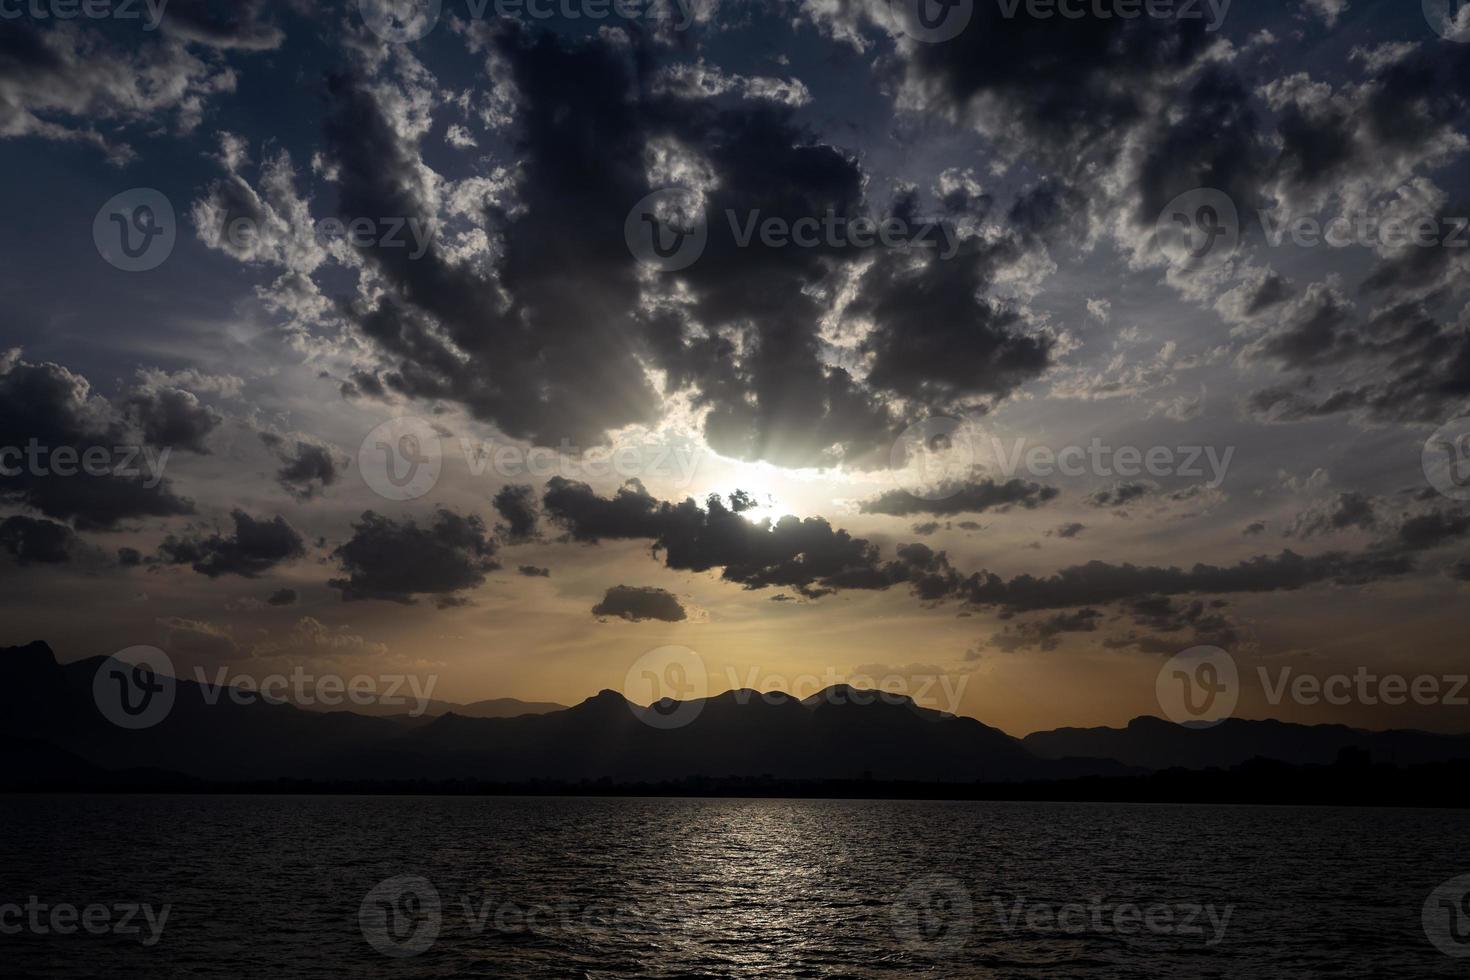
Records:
x=762, y=486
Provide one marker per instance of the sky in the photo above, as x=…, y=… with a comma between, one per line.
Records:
x=996, y=351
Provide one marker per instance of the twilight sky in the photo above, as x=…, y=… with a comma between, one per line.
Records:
x=434, y=385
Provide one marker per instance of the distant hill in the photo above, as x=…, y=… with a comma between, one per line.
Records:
x=1152, y=743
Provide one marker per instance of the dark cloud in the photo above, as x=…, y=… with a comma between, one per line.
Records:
x=1253, y=528
x=399, y=560
x=31, y=541
x=67, y=83
x=741, y=501
x=50, y=407
x=933, y=340
x=282, y=597
x=516, y=504
x=1399, y=365
x=564, y=303
x=256, y=547
x=971, y=497
x=1203, y=621
x=1425, y=531
x=1347, y=510
x=308, y=467
x=1122, y=493
x=172, y=417
x=1271, y=291
x=1100, y=583
x=1069, y=530
x=1073, y=86
x=534, y=571
x=239, y=24
x=807, y=555
x=1317, y=332
x=637, y=604
x=544, y=347
x=1046, y=634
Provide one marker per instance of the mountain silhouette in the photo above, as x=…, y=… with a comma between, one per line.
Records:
x=840, y=733
x=1153, y=743
x=53, y=726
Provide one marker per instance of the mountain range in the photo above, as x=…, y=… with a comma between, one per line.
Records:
x=54, y=729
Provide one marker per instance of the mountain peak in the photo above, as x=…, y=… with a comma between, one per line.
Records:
x=35, y=649
x=605, y=697
x=843, y=694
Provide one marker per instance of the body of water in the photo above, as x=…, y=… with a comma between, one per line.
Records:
x=288, y=887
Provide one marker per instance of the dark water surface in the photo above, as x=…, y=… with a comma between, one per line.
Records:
x=294, y=887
